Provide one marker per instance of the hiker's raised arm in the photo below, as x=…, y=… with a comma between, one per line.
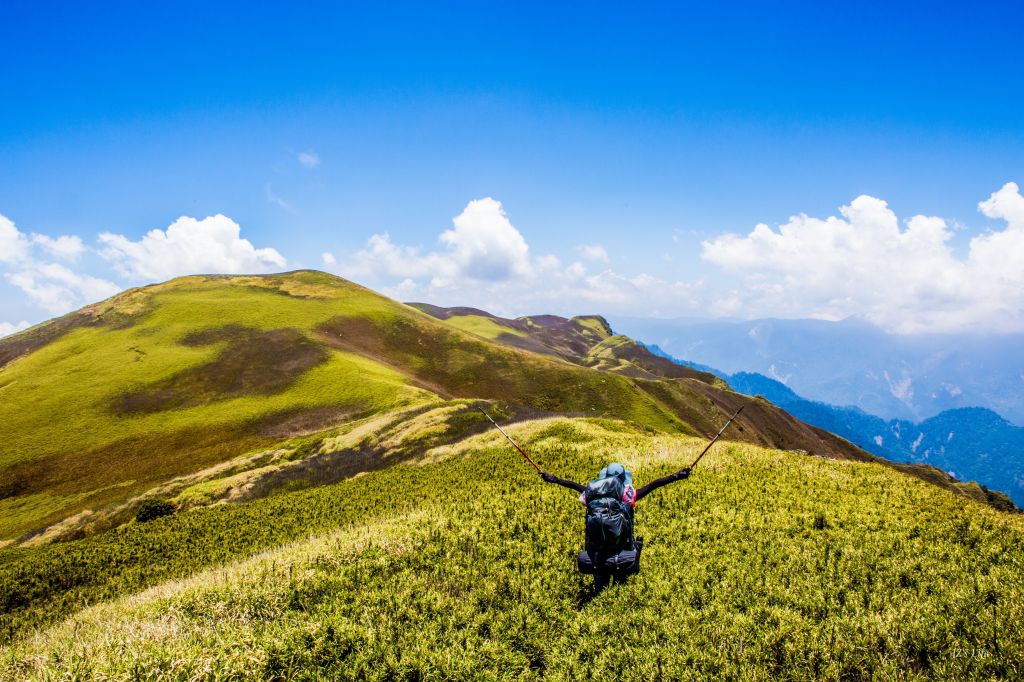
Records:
x=664, y=480
x=551, y=478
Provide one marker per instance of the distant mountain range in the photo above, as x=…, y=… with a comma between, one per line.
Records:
x=971, y=443
x=911, y=377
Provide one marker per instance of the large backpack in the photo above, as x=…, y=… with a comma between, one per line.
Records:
x=609, y=519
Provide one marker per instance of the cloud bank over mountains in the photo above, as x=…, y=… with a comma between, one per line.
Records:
x=903, y=278
x=902, y=275
x=487, y=262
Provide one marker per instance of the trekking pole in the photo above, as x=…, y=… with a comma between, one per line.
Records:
x=717, y=435
x=521, y=451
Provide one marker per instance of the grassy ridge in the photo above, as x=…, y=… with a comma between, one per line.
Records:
x=120, y=398
x=764, y=564
x=116, y=399
x=65, y=446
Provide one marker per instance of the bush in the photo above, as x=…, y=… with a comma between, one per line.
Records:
x=154, y=509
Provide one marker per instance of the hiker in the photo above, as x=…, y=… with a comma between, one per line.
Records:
x=611, y=551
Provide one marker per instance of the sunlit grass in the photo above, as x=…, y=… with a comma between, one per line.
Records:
x=765, y=564
x=482, y=326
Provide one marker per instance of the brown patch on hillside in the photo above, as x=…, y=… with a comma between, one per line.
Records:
x=389, y=446
x=573, y=341
x=454, y=364
x=529, y=343
x=300, y=284
x=120, y=469
x=253, y=362
x=546, y=334
x=116, y=471
x=567, y=338
x=291, y=423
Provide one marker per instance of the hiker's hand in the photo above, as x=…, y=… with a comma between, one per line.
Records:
x=684, y=473
x=550, y=478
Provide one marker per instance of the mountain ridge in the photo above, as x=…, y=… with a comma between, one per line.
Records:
x=179, y=377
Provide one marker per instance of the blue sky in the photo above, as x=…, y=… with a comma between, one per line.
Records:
x=650, y=131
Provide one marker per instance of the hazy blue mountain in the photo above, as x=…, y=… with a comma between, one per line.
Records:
x=972, y=443
x=911, y=377
x=654, y=348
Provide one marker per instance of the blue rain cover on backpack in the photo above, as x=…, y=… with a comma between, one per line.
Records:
x=609, y=519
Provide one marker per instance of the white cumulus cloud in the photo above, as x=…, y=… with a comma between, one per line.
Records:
x=383, y=257
x=1007, y=204
x=488, y=264
x=14, y=245
x=905, y=277
x=189, y=246
x=483, y=245
x=67, y=247
x=57, y=289
x=51, y=286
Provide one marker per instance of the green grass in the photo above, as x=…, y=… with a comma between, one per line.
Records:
x=440, y=554
x=168, y=380
x=482, y=326
x=59, y=397
x=459, y=563
x=596, y=324
x=82, y=424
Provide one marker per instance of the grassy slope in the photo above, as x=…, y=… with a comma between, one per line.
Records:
x=60, y=434
x=483, y=326
x=117, y=399
x=698, y=398
x=64, y=447
x=765, y=564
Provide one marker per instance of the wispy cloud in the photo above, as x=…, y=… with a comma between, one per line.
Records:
x=274, y=199
x=309, y=158
x=594, y=252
